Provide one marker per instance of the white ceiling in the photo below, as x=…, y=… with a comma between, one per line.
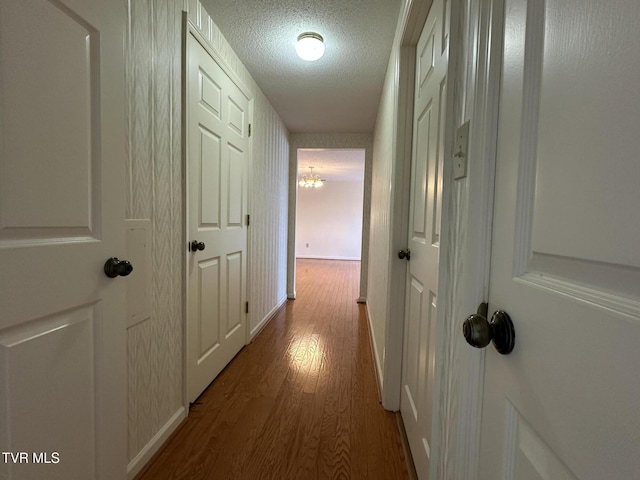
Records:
x=337, y=165
x=338, y=93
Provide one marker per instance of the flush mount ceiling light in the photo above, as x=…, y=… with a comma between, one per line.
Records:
x=310, y=46
x=310, y=180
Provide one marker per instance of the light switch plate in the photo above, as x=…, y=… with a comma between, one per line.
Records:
x=461, y=151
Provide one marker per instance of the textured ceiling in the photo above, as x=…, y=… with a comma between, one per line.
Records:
x=338, y=165
x=338, y=93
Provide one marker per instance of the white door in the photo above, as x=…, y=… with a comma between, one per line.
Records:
x=424, y=237
x=217, y=162
x=62, y=320
x=566, y=258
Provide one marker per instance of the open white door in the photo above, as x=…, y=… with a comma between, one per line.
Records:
x=62, y=320
x=566, y=258
x=217, y=163
x=416, y=400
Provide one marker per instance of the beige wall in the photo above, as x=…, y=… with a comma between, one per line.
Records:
x=154, y=175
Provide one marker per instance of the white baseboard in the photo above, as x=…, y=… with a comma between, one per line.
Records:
x=263, y=323
x=362, y=300
x=325, y=257
x=151, y=448
x=376, y=356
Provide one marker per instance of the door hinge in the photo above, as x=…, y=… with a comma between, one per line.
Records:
x=249, y=129
x=248, y=219
x=246, y=307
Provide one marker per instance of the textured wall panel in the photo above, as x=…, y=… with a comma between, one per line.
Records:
x=154, y=175
x=155, y=193
x=269, y=213
x=380, y=229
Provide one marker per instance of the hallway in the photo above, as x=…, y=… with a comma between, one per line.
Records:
x=300, y=402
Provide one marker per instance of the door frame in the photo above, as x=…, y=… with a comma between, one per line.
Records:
x=410, y=25
x=361, y=298
x=338, y=141
x=189, y=28
x=473, y=77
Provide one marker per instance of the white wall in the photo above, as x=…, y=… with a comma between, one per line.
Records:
x=329, y=221
x=379, y=236
x=390, y=205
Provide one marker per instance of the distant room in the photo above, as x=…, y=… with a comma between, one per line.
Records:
x=329, y=205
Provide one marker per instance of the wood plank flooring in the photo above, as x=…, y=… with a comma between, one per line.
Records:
x=300, y=402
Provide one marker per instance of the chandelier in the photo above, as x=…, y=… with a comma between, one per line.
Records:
x=310, y=180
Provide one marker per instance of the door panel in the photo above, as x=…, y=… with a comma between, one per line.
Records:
x=234, y=299
x=419, y=175
x=210, y=94
x=422, y=278
x=414, y=371
x=62, y=321
x=236, y=117
x=210, y=157
x=34, y=205
x=209, y=306
x=57, y=357
x=217, y=159
x=565, y=262
x=527, y=456
x=235, y=188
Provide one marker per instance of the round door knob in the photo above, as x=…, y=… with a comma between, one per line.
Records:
x=196, y=245
x=478, y=332
x=115, y=267
x=402, y=254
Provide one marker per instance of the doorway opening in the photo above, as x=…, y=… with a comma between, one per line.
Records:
x=329, y=205
x=329, y=213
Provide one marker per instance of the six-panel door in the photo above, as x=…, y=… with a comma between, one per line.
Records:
x=421, y=305
x=217, y=162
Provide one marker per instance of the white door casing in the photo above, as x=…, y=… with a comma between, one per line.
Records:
x=416, y=403
x=217, y=173
x=565, y=258
x=62, y=320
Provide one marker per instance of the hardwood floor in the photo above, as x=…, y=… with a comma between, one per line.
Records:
x=300, y=402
